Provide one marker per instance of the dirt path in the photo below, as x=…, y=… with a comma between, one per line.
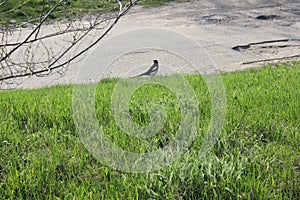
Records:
x=250, y=32
x=235, y=34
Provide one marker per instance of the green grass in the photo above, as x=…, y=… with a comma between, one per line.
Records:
x=256, y=157
x=154, y=3
x=15, y=11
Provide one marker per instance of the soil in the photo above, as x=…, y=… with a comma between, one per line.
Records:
x=235, y=35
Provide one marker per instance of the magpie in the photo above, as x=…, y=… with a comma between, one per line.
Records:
x=152, y=71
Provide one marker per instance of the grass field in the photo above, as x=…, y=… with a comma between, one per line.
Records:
x=18, y=11
x=15, y=11
x=256, y=157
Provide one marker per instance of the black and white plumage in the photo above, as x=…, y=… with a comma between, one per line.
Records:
x=152, y=71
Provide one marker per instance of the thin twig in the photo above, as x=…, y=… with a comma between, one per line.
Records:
x=52, y=66
x=36, y=28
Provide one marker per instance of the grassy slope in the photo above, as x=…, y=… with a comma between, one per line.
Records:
x=256, y=156
x=15, y=11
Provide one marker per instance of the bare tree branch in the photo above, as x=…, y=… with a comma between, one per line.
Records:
x=37, y=28
x=47, y=47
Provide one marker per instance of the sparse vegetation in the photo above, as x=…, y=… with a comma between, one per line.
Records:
x=151, y=3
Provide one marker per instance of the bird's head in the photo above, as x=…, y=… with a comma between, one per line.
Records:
x=155, y=61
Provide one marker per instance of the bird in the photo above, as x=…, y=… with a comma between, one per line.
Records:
x=151, y=71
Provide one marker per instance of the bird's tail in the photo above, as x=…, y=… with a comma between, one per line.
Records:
x=139, y=75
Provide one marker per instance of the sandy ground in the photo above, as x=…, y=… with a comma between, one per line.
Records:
x=231, y=34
